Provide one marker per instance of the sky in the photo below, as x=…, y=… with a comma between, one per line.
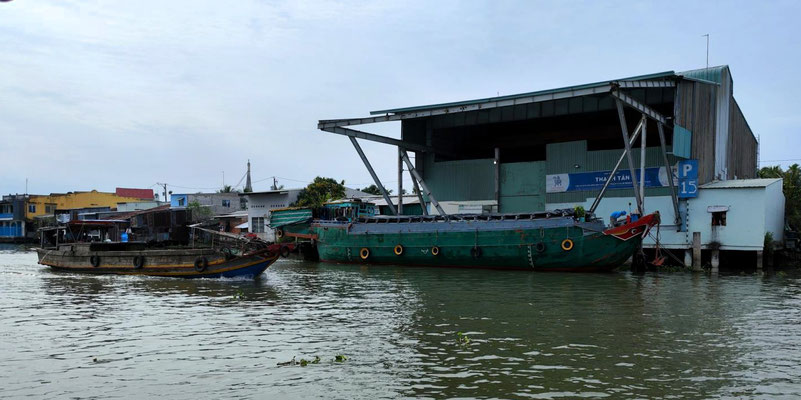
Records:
x=105, y=94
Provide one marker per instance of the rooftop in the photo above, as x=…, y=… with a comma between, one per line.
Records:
x=709, y=75
x=741, y=183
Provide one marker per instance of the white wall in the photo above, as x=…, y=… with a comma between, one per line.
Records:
x=261, y=204
x=774, y=207
x=752, y=212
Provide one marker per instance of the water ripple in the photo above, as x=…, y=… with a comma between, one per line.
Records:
x=407, y=332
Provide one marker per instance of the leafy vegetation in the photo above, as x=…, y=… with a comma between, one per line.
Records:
x=372, y=189
x=199, y=213
x=792, y=191
x=768, y=245
x=320, y=191
x=462, y=338
x=304, y=362
x=227, y=189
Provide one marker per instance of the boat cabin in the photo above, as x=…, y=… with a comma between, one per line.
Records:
x=348, y=209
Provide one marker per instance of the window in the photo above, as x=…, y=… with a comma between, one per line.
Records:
x=48, y=209
x=181, y=201
x=719, y=218
x=31, y=208
x=257, y=225
x=226, y=203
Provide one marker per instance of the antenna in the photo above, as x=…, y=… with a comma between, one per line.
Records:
x=707, y=49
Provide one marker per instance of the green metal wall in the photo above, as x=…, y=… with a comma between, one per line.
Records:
x=523, y=184
x=522, y=187
x=461, y=180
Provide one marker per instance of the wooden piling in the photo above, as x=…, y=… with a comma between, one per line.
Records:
x=696, y=251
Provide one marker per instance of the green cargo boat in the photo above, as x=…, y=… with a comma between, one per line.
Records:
x=350, y=232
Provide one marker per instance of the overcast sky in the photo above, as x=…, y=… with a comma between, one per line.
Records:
x=101, y=94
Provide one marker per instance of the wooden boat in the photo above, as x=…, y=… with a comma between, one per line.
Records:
x=349, y=232
x=228, y=259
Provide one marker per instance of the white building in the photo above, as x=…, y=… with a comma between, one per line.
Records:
x=260, y=205
x=732, y=215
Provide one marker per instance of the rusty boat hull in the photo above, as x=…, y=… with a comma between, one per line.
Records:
x=120, y=259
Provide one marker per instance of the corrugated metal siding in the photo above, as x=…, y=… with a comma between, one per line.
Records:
x=711, y=74
x=461, y=180
x=682, y=141
x=563, y=157
x=522, y=187
x=695, y=110
x=742, y=145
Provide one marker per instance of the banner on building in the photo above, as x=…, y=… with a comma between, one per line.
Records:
x=594, y=181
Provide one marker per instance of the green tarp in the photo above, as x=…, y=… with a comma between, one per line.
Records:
x=279, y=218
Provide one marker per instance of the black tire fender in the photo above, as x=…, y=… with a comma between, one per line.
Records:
x=95, y=261
x=475, y=252
x=138, y=261
x=201, y=263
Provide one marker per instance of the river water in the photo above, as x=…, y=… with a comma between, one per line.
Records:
x=523, y=335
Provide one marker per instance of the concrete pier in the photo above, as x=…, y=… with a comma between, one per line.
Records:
x=715, y=261
x=696, y=251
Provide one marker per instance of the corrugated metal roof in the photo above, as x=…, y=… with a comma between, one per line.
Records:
x=740, y=183
x=657, y=75
x=711, y=74
x=136, y=193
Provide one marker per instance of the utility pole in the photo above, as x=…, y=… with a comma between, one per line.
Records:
x=165, y=190
x=275, y=184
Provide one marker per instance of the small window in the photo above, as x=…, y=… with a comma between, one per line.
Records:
x=31, y=208
x=719, y=218
x=257, y=225
x=48, y=209
x=181, y=201
x=226, y=203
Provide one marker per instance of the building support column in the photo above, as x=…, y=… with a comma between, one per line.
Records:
x=759, y=260
x=400, y=182
x=677, y=220
x=688, y=257
x=600, y=195
x=624, y=129
x=696, y=251
x=416, y=175
x=497, y=163
x=715, y=261
x=642, y=164
x=373, y=174
x=419, y=196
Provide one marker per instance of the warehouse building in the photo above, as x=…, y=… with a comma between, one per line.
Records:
x=671, y=133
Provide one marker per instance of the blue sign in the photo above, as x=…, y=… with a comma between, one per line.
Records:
x=594, y=181
x=688, y=179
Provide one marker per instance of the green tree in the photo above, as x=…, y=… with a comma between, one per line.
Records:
x=227, y=189
x=198, y=212
x=372, y=189
x=319, y=192
x=791, y=188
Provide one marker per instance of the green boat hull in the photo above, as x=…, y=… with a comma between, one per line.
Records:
x=546, y=249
